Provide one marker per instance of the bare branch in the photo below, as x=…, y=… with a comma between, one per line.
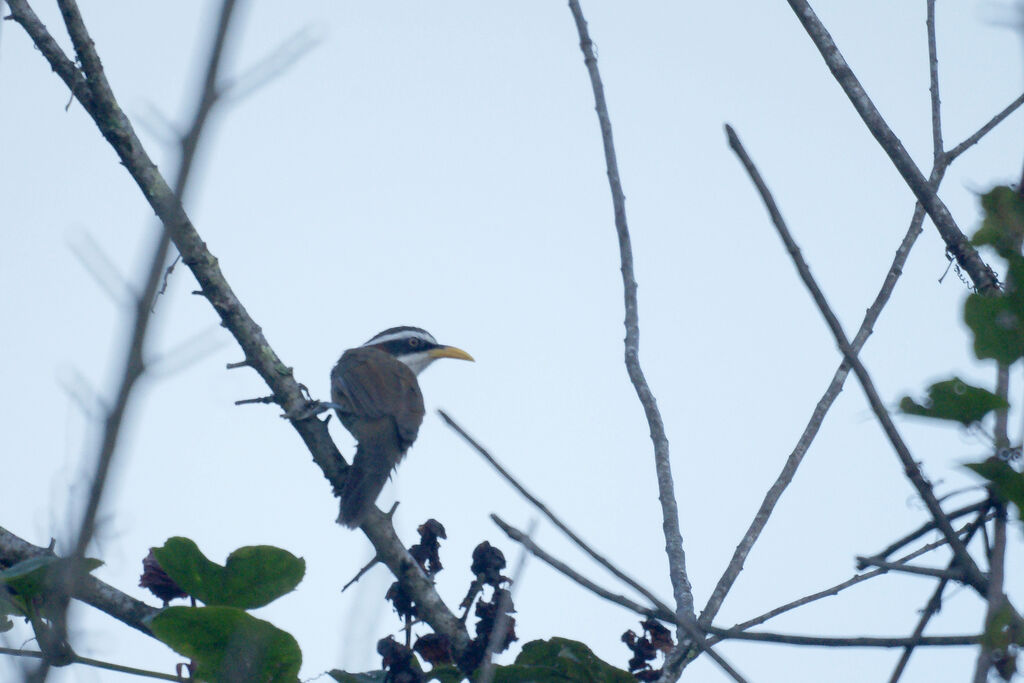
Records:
x=826, y=641
x=528, y=543
x=996, y=598
x=938, y=155
x=853, y=581
x=997, y=557
x=600, y=559
x=500, y=629
x=973, y=575
x=956, y=243
x=102, y=269
x=98, y=664
x=690, y=628
x=954, y=574
x=283, y=57
x=117, y=129
x=792, y=463
x=666, y=488
x=89, y=590
x=981, y=505
x=984, y=130
x=933, y=606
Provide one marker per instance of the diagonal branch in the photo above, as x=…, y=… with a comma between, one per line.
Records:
x=600, y=559
x=803, y=444
x=89, y=590
x=117, y=129
x=973, y=575
x=968, y=532
x=666, y=489
x=933, y=605
x=942, y=162
x=689, y=627
x=518, y=536
x=829, y=641
x=956, y=243
x=984, y=130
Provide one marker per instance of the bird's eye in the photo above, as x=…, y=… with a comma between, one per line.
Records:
x=414, y=342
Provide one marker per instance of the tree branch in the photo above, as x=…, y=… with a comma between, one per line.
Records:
x=984, y=130
x=826, y=641
x=600, y=559
x=89, y=590
x=117, y=129
x=934, y=604
x=669, y=509
x=689, y=627
x=973, y=575
x=969, y=530
x=956, y=243
x=518, y=536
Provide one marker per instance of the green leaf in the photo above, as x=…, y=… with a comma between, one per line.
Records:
x=997, y=320
x=253, y=576
x=515, y=673
x=368, y=677
x=228, y=644
x=1007, y=483
x=560, y=659
x=1004, y=628
x=446, y=673
x=35, y=576
x=955, y=400
x=1003, y=227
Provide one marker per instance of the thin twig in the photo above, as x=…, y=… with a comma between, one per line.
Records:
x=778, y=487
x=996, y=597
x=929, y=526
x=997, y=557
x=735, y=566
x=133, y=365
x=973, y=575
x=528, y=543
x=97, y=663
x=500, y=628
x=1001, y=430
x=852, y=581
x=690, y=628
x=984, y=130
x=933, y=606
x=938, y=150
x=90, y=590
x=283, y=57
x=981, y=274
x=118, y=131
x=763, y=514
x=600, y=559
x=954, y=574
x=666, y=489
x=827, y=641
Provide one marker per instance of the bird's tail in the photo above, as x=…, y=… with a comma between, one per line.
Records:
x=366, y=477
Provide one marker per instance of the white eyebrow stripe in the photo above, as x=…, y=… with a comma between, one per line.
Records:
x=404, y=334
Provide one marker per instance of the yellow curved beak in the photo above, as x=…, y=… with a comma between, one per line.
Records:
x=449, y=352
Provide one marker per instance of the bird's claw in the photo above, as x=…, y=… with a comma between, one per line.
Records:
x=309, y=409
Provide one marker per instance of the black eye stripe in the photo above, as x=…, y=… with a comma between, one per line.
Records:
x=399, y=347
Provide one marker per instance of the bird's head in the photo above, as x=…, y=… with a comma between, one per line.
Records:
x=415, y=347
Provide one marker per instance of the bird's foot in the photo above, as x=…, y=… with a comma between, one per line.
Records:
x=309, y=409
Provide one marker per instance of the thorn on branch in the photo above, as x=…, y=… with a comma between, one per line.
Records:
x=262, y=399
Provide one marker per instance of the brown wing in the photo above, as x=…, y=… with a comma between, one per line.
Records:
x=371, y=384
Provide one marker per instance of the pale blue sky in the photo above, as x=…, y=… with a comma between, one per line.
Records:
x=439, y=165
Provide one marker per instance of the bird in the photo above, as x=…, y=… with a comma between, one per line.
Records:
x=377, y=397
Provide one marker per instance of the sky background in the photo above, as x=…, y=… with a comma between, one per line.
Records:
x=440, y=165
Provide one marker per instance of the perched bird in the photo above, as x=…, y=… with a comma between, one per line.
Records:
x=376, y=395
